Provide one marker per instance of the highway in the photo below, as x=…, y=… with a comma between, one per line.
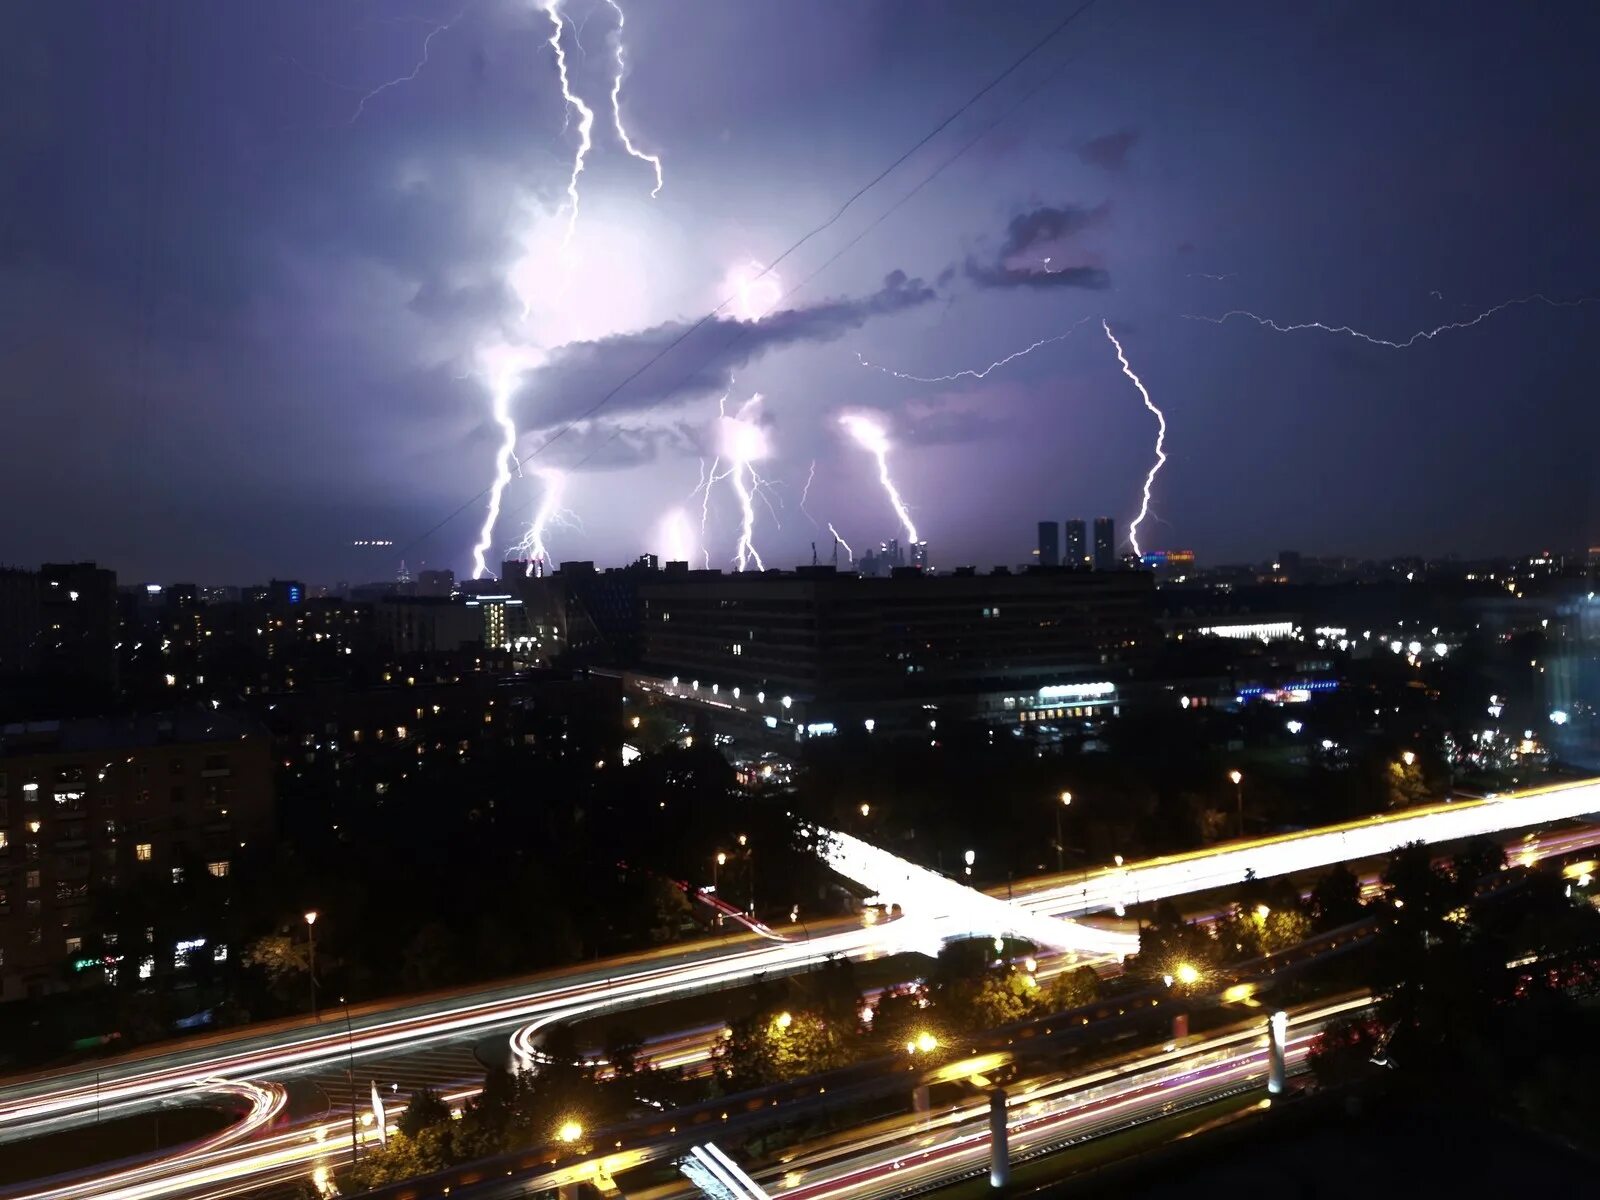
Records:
x=279, y=1053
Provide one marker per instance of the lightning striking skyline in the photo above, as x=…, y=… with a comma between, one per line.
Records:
x=532, y=546
x=585, y=116
x=616, y=104
x=501, y=368
x=851, y=554
x=975, y=374
x=1161, y=440
x=872, y=437
x=743, y=443
x=1419, y=336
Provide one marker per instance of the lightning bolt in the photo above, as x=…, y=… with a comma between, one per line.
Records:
x=972, y=374
x=851, y=553
x=1206, y=275
x=871, y=436
x=427, y=46
x=532, y=546
x=742, y=443
x=1420, y=336
x=1161, y=439
x=503, y=373
x=806, y=491
x=616, y=106
x=585, y=116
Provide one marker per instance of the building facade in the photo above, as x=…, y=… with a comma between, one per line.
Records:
x=1105, y=544
x=1049, y=544
x=1077, y=545
x=93, y=808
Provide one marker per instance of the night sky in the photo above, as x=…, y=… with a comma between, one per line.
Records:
x=242, y=327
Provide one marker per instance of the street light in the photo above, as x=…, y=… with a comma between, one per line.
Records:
x=311, y=958
x=1066, y=801
x=866, y=810
x=719, y=861
x=971, y=857
x=1409, y=758
x=569, y=1132
x=1238, y=794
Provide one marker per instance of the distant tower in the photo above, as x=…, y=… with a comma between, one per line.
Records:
x=919, y=555
x=1077, y=544
x=1105, y=544
x=403, y=576
x=1049, y=544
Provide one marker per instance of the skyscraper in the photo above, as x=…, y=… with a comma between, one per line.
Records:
x=1049, y=544
x=1077, y=544
x=1105, y=544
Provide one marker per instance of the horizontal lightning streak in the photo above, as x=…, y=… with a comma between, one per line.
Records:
x=984, y=373
x=1421, y=335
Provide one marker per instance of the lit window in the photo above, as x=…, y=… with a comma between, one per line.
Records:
x=31, y=879
x=218, y=869
x=5, y=839
x=177, y=874
x=74, y=944
x=142, y=851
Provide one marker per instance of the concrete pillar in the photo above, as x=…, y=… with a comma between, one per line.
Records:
x=1277, y=1068
x=999, y=1140
x=1180, y=1026
x=920, y=1104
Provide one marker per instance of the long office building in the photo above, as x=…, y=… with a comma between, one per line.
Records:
x=819, y=647
x=1049, y=544
x=1105, y=544
x=1077, y=544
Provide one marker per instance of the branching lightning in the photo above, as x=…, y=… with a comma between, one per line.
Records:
x=973, y=374
x=532, y=546
x=616, y=106
x=552, y=8
x=743, y=443
x=1161, y=440
x=871, y=436
x=1420, y=336
x=427, y=46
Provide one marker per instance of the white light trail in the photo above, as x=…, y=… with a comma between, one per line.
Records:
x=502, y=371
x=1420, y=336
x=427, y=46
x=851, y=553
x=871, y=436
x=532, y=546
x=973, y=374
x=616, y=106
x=1161, y=440
x=585, y=116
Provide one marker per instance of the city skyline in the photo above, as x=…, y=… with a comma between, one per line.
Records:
x=274, y=345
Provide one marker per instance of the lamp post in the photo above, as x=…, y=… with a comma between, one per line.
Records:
x=1066, y=801
x=750, y=865
x=1237, y=777
x=311, y=958
x=716, y=864
x=350, y=1078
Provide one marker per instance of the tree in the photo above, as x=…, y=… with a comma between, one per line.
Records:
x=1336, y=899
x=1479, y=859
x=1070, y=989
x=1004, y=995
x=281, y=960
x=1284, y=927
x=429, y=959
x=402, y=1159
x=424, y=1110
x=1404, y=785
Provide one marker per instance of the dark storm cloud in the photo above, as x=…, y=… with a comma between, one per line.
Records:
x=676, y=359
x=1094, y=278
x=1109, y=151
x=1046, y=225
x=1030, y=239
